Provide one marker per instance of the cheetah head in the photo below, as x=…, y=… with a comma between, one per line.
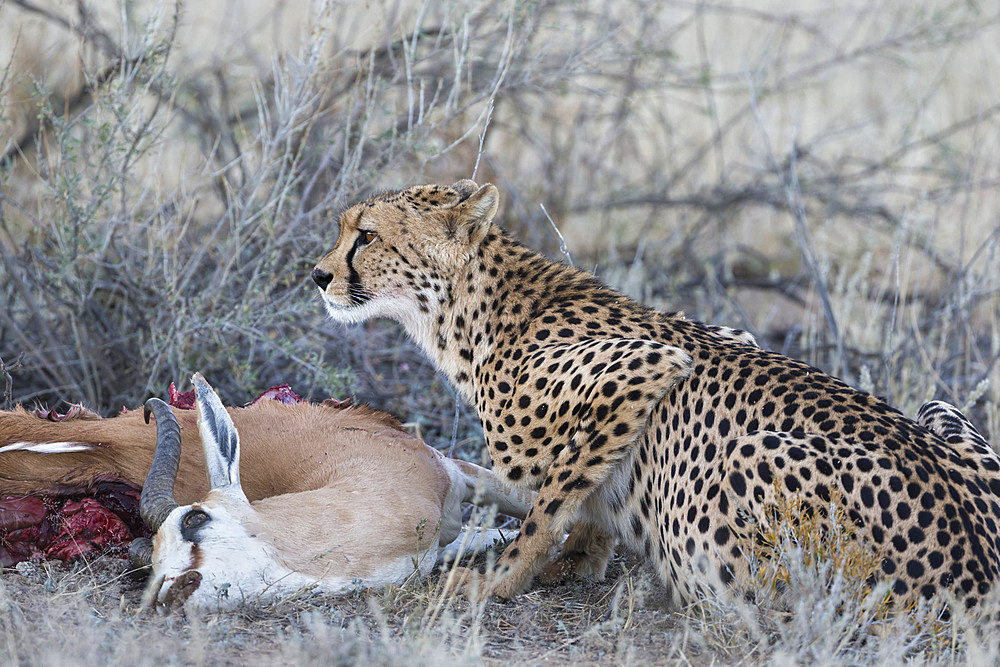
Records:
x=397, y=252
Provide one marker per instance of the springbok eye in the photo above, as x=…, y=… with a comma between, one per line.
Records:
x=370, y=236
x=194, y=519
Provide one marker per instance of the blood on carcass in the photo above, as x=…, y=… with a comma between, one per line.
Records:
x=102, y=519
x=66, y=527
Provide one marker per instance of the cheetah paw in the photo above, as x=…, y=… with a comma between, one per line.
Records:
x=578, y=563
x=467, y=583
x=476, y=586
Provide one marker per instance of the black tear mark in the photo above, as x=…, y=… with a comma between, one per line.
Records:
x=354, y=290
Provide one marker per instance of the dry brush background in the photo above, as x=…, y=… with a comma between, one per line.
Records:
x=824, y=174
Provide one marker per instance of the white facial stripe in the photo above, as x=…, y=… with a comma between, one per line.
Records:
x=47, y=447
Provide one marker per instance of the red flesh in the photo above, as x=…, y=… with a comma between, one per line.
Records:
x=101, y=519
x=104, y=520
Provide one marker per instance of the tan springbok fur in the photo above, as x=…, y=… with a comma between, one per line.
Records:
x=299, y=495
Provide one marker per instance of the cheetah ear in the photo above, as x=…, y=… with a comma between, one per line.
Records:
x=465, y=188
x=475, y=214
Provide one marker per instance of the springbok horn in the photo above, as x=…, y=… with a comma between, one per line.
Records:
x=140, y=555
x=157, y=499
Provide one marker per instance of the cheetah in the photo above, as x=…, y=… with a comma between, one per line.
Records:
x=648, y=430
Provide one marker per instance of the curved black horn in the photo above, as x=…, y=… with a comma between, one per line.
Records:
x=157, y=499
x=140, y=556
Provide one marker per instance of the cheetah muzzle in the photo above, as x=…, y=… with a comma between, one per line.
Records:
x=648, y=430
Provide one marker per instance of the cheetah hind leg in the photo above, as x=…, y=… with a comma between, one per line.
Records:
x=585, y=552
x=756, y=475
x=758, y=466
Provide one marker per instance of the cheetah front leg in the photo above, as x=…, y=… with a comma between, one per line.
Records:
x=625, y=380
x=585, y=552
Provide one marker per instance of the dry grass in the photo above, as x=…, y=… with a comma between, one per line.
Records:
x=823, y=174
x=86, y=614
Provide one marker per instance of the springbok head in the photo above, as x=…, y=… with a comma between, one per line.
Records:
x=206, y=552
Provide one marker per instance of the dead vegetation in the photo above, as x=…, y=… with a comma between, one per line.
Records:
x=824, y=175
x=86, y=614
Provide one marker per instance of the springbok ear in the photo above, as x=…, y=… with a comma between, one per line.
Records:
x=219, y=437
x=474, y=215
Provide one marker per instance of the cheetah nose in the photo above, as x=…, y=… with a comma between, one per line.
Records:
x=322, y=278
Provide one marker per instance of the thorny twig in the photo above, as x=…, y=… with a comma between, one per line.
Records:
x=482, y=138
x=562, y=242
x=8, y=391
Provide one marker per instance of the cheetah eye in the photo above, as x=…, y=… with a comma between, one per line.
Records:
x=369, y=236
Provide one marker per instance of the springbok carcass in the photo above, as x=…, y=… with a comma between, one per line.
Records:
x=296, y=495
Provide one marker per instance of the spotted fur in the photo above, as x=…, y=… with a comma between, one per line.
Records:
x=647, y=429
